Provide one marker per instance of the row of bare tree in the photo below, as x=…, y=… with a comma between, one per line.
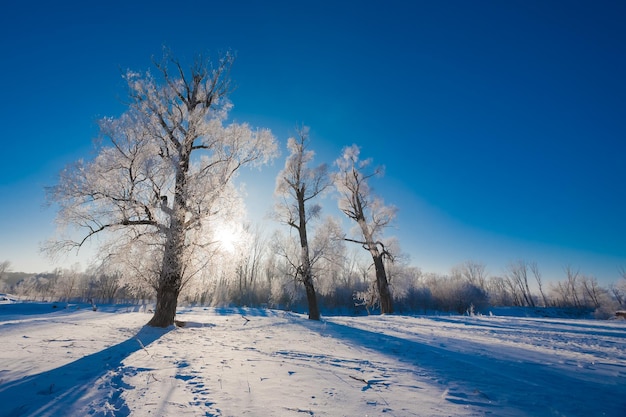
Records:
x=261, y=275
x=161, y=186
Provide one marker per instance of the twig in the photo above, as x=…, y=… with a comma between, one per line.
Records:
x=300, y=410
x=359, y=379
x=143, y=347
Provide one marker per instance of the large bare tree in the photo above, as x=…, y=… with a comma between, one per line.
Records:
x=372, y=216
x=296, y=186
x=162, y=172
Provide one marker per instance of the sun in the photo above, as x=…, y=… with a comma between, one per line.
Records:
x=227, y=237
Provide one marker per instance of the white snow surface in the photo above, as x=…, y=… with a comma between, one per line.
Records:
x=258, y=362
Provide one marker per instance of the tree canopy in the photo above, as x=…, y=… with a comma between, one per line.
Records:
x=163, y=172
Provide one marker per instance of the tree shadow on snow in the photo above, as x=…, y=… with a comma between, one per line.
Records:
x=246, y=311
x=94, y=380
x=487, y=381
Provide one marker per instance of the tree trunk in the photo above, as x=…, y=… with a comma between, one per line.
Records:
x=169, y=284
x=386, y=305
x=305, y=259
x=314, y=311
x=171, y=277
x=307, y=280
x=167, y=300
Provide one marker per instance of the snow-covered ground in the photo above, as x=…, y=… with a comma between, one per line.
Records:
x=256, y=362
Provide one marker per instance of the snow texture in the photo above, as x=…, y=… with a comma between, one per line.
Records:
x=71, y=361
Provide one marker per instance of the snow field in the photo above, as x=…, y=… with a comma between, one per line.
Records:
x=257, y=362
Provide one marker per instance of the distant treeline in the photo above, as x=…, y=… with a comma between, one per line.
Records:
x=465, y=290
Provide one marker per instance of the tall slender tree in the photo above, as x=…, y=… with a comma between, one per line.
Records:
x=371, y=215
x=163, y=171
x=296, y=186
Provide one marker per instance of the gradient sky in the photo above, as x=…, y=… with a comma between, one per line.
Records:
x=501, y=124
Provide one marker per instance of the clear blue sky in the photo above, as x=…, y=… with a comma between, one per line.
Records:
x=502, y=124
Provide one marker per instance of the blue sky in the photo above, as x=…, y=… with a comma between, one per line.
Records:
x=501, y=125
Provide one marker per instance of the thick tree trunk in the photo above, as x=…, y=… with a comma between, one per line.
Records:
x=169, y=286
x=386, y=305
x=167, y=301
x=171, y=278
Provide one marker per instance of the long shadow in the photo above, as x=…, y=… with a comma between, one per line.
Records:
x=544, y=325
x=247, y=311
x=483, y=380
x=50, y=392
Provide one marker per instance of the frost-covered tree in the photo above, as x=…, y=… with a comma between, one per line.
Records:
x=372, y=216
x=500, y=293
x=67, y=283
x=297, y=185
x=160, y=177
x=107, y=286
x=475, y=273
x=286, y=256
x=5, y=266
x=330, y=257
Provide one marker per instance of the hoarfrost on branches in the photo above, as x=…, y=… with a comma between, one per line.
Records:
x=371, y=215
x=296, y=186
x=163, y=175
